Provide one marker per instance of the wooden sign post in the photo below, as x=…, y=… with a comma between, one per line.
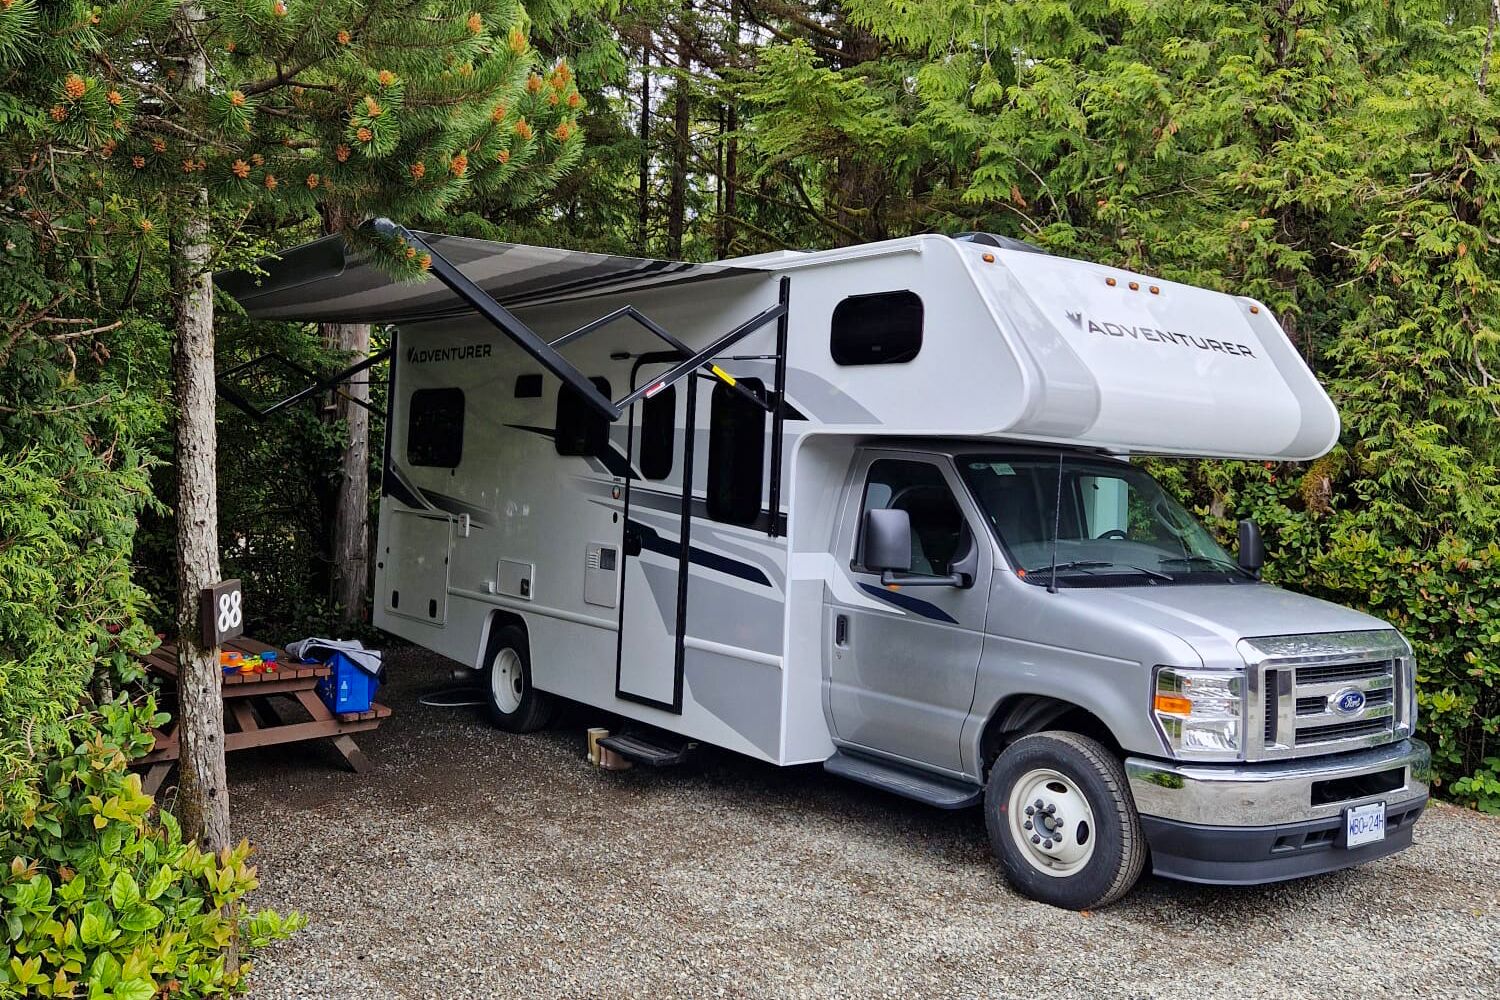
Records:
x=221, y=612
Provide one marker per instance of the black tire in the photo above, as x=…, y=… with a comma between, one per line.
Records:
x=526, y=709
x=1119, y=848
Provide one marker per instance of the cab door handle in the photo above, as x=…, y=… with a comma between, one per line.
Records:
x=841, y=630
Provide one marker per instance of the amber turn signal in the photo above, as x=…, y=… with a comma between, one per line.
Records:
x=1174, y=704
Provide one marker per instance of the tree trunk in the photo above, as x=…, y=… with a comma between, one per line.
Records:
x=203, y=799
x=643, y=192
x=681, y=136
x=731, y=177
x=350, y=548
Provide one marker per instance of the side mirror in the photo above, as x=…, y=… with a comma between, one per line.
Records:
x=887, y=540
x=1252, y=549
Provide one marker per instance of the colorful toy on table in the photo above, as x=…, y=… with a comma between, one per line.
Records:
x=231, y=661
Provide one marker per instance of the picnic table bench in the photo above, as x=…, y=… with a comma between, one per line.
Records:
x=251, y=719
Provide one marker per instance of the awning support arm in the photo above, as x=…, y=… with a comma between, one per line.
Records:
x=547, y=354
x=319, y=383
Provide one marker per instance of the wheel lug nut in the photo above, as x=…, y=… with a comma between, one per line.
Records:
x=1051, y=809
x=1039, y=803
x=1031, y=810
x=1026, y=825
x=1035, y=839
x=1047, y=844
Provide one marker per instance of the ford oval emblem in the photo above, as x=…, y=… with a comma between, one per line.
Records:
x=1349, y=701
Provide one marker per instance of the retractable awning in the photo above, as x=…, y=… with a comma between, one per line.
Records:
x=325, y=281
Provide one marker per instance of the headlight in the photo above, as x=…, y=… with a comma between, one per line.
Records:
x=1199, y=712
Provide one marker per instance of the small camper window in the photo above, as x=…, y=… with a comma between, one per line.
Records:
x=435, y=428
x=580, y=430
x=736, y=454
x=880, y=329
x=658, y=433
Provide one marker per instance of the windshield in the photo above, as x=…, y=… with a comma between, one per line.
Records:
x=1117, y=526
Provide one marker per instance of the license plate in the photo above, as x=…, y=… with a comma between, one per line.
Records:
x=1364, y=824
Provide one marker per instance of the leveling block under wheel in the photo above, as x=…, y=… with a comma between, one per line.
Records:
x=644, y=749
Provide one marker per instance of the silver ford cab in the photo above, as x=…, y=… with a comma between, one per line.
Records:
x=1176, y=708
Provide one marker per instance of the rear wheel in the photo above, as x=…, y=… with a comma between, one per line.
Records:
x=514, y=704
x=1062, y=822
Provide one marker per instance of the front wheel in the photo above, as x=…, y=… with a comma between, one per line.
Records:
x=1062, y=823
x=514, y=704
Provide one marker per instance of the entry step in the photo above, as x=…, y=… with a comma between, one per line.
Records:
x=650, y=750
x=904, y=781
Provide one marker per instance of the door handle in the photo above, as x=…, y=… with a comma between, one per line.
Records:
x=841, y=630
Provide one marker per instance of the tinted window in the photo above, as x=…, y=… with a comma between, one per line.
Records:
x=580, y=429
x=937, y=523
x=736, y=454
x=435, y=428
x=883, y=329
x=658, y=433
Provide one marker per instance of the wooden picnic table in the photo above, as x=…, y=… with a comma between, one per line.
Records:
x=251, y=719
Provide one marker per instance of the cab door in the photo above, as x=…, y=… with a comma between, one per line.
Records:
x=903, y=662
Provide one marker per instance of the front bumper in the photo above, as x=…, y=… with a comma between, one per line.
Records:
x=1249, y=823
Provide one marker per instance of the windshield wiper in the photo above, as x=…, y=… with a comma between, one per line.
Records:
x=1200, y=560
x=1086, y=565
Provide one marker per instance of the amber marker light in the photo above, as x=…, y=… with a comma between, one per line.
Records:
x=1154, y=290
x=1174, y=704
x=1255, y=309
x=1111, y=282
x=988, y=258
x=1135, y=286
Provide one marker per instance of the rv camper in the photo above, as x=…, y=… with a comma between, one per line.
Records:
x=873, y=509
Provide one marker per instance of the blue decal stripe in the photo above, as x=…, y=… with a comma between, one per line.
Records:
x=908, y=603
x=672, y=549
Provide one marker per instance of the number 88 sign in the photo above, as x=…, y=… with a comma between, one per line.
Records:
x=222, y=612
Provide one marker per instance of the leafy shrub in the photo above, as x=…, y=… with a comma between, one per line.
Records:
x=104, y=899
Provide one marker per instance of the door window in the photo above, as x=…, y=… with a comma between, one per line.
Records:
x=918, y=488
x=736, y=454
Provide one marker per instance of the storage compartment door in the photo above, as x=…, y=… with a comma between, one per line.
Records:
x=416, y=575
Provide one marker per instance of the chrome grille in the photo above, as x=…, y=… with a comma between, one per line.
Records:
x=1326, y=693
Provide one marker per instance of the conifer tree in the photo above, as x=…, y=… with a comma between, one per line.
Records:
x=209, y=111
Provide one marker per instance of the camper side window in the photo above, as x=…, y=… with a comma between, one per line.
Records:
x=658, y=433
x=435, y=428
x=580, y=430
x=881, y=329
x=736, y=454
x=937, y=523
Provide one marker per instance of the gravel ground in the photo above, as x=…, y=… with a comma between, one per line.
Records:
x=472, y=863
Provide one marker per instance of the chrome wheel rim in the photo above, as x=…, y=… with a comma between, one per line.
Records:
x=507, y=680
x=1051, y=822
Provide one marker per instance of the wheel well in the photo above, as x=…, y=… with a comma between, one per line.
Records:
x=498, y=621
x=1023, y=714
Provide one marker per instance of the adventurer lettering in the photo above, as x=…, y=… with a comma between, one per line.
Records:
x=462, y=352
x=1169, y=337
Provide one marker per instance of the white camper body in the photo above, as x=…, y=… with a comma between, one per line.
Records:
x=869, y=507
x=1013, y=344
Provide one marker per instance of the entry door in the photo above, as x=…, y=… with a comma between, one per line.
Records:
x=903, y=662
x=653, y=605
